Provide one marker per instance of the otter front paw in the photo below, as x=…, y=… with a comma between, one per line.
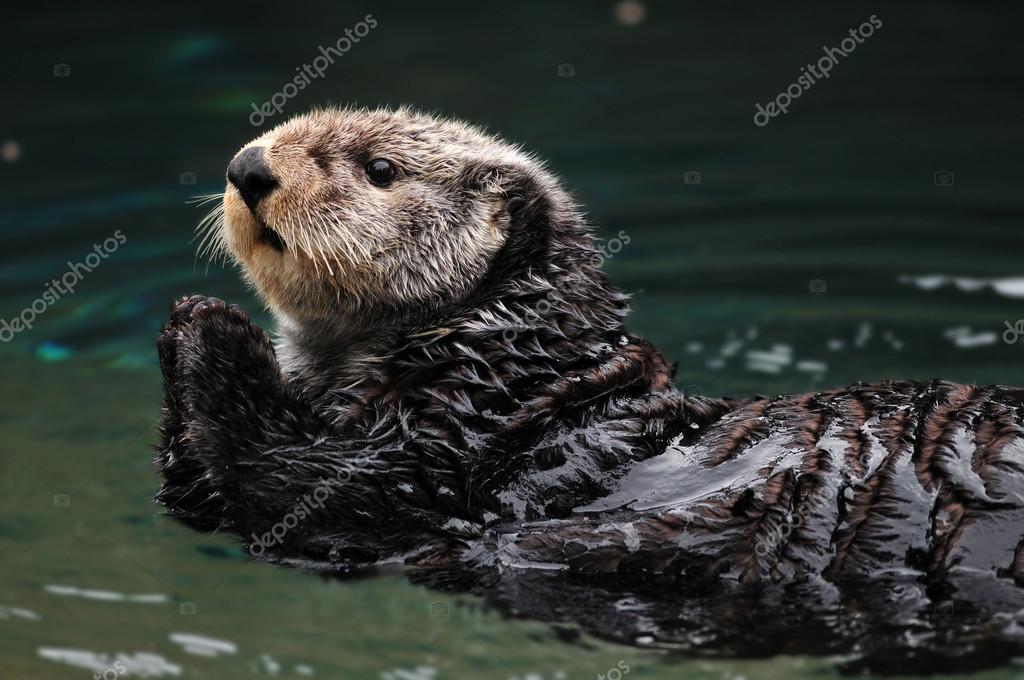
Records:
x=204, y=349
x=225, y=371
x=177, y=348
x=187, y=490
x=226, y=405
x=182, y=315
x=192, y=308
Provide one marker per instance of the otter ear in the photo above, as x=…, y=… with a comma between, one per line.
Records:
x=508, y=185
x=514, y=204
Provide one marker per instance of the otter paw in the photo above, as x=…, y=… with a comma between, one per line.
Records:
x=171, y=333
x=209, y=326
x=207, y=340
x=188, y=309
x=223, y=361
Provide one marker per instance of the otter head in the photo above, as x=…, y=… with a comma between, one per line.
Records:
x=376, y=213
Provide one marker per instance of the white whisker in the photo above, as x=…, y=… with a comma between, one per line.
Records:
x=209, y=232
x=203, y=199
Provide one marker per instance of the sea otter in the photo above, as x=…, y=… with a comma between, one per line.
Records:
x=453, y=388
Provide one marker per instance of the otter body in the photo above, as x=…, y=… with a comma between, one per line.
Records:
x=454, y=389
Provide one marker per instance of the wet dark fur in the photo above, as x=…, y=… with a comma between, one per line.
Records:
x=524, y=445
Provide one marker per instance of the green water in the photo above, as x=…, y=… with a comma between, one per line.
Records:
x=841, y=189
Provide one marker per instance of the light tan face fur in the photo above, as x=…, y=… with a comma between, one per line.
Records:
x=424, y=240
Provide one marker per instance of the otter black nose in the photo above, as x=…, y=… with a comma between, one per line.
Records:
x=251, y=176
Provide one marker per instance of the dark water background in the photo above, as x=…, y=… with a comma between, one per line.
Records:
x=840, y=195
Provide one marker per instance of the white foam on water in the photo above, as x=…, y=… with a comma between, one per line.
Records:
x=105, y=595
x=418, y=673
x=140, y=664
x=966, y=338
x=864, y=333
x=730, y=348
x=772, y=357
x=811, y=366
x=1012, y=287
x=771, y=360
x=18, y=613
x=270, y=664
x=202, y=645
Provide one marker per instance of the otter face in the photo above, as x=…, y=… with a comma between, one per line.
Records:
x=342, y=211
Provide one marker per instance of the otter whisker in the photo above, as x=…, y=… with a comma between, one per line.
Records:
x=350, y=243
x=323, y=245
x=326, y=263
x=327, y=228
x=203, y=199
x=322, y=229
x=210, y=234
x=207, y=226
x=215, y=248
x=302, y=245
x=209, y=218
x=308, y=242
x=316, y=251
x=310, y=251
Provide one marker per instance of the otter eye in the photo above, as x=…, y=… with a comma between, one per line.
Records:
x=381, y=171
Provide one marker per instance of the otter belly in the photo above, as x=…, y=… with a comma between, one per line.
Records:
x=871, y=480
x=882, y=523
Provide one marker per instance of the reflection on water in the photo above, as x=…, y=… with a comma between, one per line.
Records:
x=141, y=664
x=203, y=646
x=17, y=613
x=802, y=255
x=1012, y=287
x=106, y=595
